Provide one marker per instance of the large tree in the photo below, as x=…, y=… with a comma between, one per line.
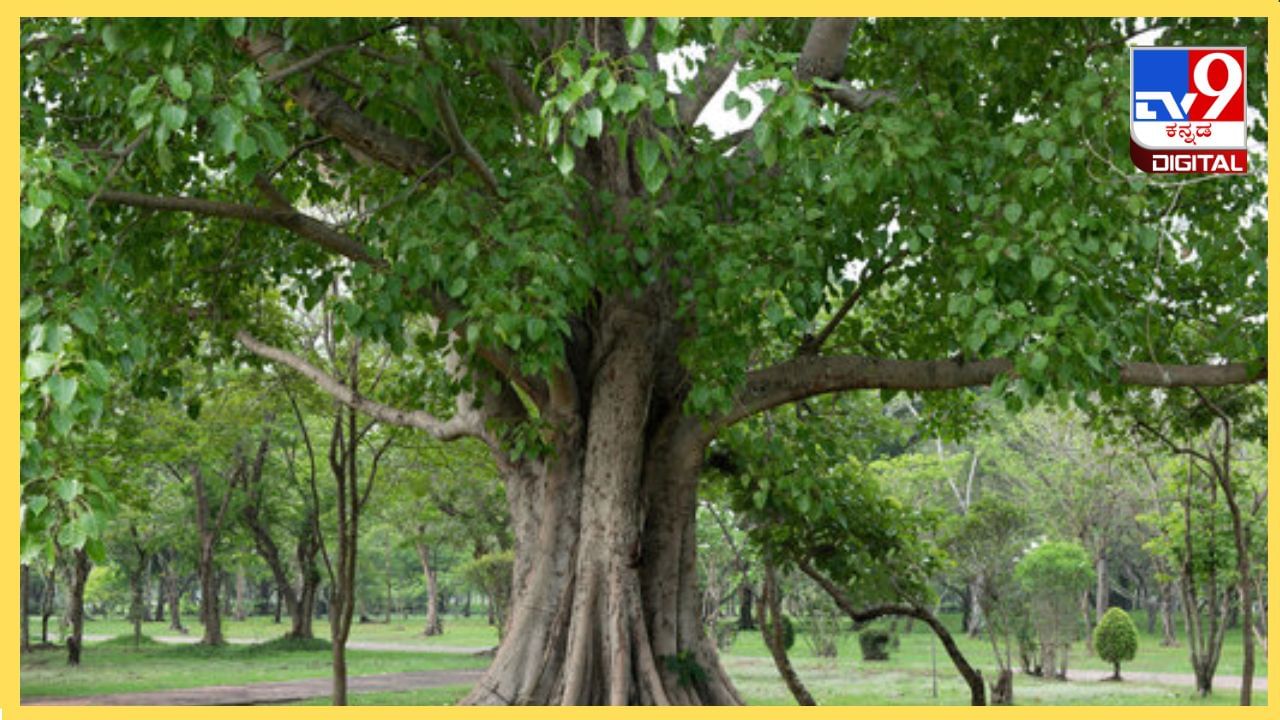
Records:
x=616, y=269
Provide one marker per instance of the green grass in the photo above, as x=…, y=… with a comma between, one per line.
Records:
x=446, y=695
x=841, y=682
x=115, y=666
x=914, y=651
x=473, y=631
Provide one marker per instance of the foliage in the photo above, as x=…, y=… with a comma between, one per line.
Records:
x=874, y=643
x=1053, y=576
x=1115, y=639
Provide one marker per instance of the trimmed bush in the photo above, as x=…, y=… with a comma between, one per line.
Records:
x=1116, y=638
x=874, y=643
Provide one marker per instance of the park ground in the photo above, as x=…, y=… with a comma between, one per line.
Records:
x=437, y=670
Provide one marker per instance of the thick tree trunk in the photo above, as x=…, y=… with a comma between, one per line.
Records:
x=605, y=600
x=434, y=626
x=79, y=574
x=24, y=591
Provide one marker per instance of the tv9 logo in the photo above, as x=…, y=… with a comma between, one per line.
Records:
x=1187, y=110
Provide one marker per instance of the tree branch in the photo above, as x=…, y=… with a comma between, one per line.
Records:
x=806, y=376
x=711, y=77
x=452, y=429
x=362, y=135
x=284, y=217
x=500, y=66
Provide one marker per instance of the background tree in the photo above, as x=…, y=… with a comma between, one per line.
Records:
x=1053, y=575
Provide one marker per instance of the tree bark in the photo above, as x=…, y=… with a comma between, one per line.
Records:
x=79, y=574
x=173, y=595
x=771, y=627
x=24, y=592
x=48, y=591
x=242, y=587
x=745, y=599
x=604, y=595
x=434, y=626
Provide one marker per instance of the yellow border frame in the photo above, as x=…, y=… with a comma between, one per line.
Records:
x=10, y=660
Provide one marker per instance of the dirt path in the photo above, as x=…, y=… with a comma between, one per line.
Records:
x=270, y=693
x=351, y=644
x=1220, y=682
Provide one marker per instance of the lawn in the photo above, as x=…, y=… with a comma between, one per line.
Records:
x=116, y=666
x=906, y=678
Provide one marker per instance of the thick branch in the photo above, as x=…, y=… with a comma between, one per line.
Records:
x=364, y=136
x=825, y=49
x=452, y=429
x=807, y=376
x=307, y=227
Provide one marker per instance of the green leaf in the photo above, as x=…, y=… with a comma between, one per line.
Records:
x=96, y=550
x=31, y=216
x=535, y=327
x=85, y=319
x=634, y=29
x=177, y=81
x=62, y=389
x=593, y=121
x=234, y=26
x=1048, y=149
x=564, y=159
x=246, y=146
x=37, y=364
x=173, y=116
x=1039, y=361
x=1041, y=266
x=67, y=489
x=457, y=287
x=1012, y=213
x=37, y=504
x=30, y=306
x=111, y=38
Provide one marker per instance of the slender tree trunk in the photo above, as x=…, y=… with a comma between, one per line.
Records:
x=173, y=595
x=434, y=626
x=48, y=592
x=771, y=628
x=138, y=600
x=79, y=574
x=242, y=588
x=1102, y=593
x=158, y=613
x=24, y=593
x=746, y=598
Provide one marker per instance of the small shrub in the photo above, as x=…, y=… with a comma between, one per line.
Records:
x=1116, y=639
x=874, y=643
